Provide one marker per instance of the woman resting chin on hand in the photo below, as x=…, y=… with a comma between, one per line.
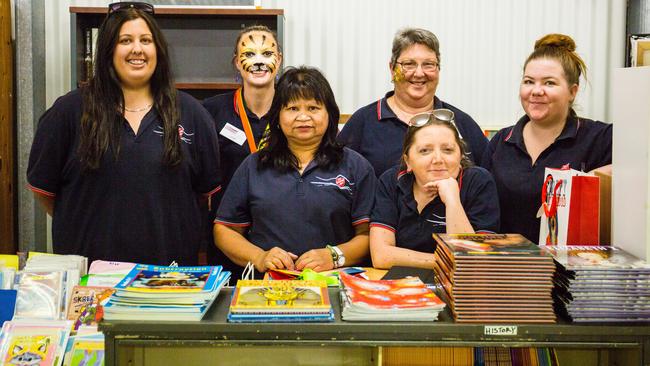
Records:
x=434, y=190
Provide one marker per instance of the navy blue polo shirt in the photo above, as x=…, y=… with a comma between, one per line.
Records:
x=224, y=112
x=375, y=132
x=396, y=209
x=583, y=145
x=134, y=208
x=299, y=212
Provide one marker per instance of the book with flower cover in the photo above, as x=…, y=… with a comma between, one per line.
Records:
x=280, y=297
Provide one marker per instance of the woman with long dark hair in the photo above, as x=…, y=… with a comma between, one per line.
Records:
x=302, y=201
x=120, y=164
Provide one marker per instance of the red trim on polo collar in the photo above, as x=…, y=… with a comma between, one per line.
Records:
x=379, y=110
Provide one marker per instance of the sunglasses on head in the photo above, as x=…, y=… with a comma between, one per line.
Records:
x=442, y=115
x=126, y=5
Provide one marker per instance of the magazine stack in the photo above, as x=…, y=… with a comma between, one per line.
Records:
x=406, y=299
x=151, y=292
x=263, y=301
x=495, y=278
x=598, y=283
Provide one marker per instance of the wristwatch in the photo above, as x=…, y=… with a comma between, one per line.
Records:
x=338, y=258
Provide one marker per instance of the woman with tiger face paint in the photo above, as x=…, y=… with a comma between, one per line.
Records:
x=240, y=116
x=377, y=131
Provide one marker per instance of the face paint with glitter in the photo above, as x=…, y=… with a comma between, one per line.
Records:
x=258, y=52
x=398, y=74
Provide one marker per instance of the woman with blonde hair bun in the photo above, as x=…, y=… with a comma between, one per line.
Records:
x=550, y=134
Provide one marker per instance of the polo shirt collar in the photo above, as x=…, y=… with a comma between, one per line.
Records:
x=250, y=114
x=570, y=130
x=384, y=111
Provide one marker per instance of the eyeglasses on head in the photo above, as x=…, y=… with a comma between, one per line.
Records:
x=125, y=5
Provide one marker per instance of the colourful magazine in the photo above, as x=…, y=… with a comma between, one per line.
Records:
x=405, y=293
x=160, y=279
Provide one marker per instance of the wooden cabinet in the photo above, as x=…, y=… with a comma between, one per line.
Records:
x=201, y=42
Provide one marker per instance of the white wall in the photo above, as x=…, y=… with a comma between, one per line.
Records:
x=483, y=46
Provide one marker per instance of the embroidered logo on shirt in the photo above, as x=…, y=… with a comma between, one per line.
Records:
x=437, y=220
x=340, y=181
x=184, y=136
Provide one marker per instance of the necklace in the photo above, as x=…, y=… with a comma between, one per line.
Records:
x=138, y=109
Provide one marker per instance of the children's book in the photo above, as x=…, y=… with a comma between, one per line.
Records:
x=404, y=293
x=145, y=278
x=280, y=297
x=86, y=350
x=106, y=273
x=165, y=293
x=86, y=305
x=34, y=343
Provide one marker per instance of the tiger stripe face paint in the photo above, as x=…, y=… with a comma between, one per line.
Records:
x=258, y=53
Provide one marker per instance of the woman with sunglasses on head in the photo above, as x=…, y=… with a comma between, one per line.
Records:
x=550, y=134
x=122, y=163
x=303, y=201
x=240, y=116
x=377, y=130
x=436, y=189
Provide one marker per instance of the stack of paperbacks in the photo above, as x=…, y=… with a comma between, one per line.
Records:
x=165, y=293
x=596, y=283
x=495, y=278
x=256, y=301
x=406, y=299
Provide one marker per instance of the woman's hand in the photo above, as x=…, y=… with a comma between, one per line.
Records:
x=316, y=259
x=447, y=189
x=274, y=258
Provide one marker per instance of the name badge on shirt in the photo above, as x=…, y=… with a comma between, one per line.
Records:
x=233, y=134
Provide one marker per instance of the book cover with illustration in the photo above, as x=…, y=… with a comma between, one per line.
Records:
x=403, y=293
x=160, y=279
x=596, y=258
x=86, y=305
x=86, y=350
x=280, y=296
x=34, y=343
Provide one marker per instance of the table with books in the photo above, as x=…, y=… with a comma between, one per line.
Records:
x=213, y=339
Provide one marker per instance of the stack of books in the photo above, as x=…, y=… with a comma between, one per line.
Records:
x=406, y=299
x=597, y=283
x=495, y=278
x=262, y=301
x=151, y=292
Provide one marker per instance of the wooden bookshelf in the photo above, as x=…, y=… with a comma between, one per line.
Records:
x=201, y=42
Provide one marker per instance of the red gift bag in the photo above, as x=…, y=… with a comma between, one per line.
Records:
x=570, y=208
